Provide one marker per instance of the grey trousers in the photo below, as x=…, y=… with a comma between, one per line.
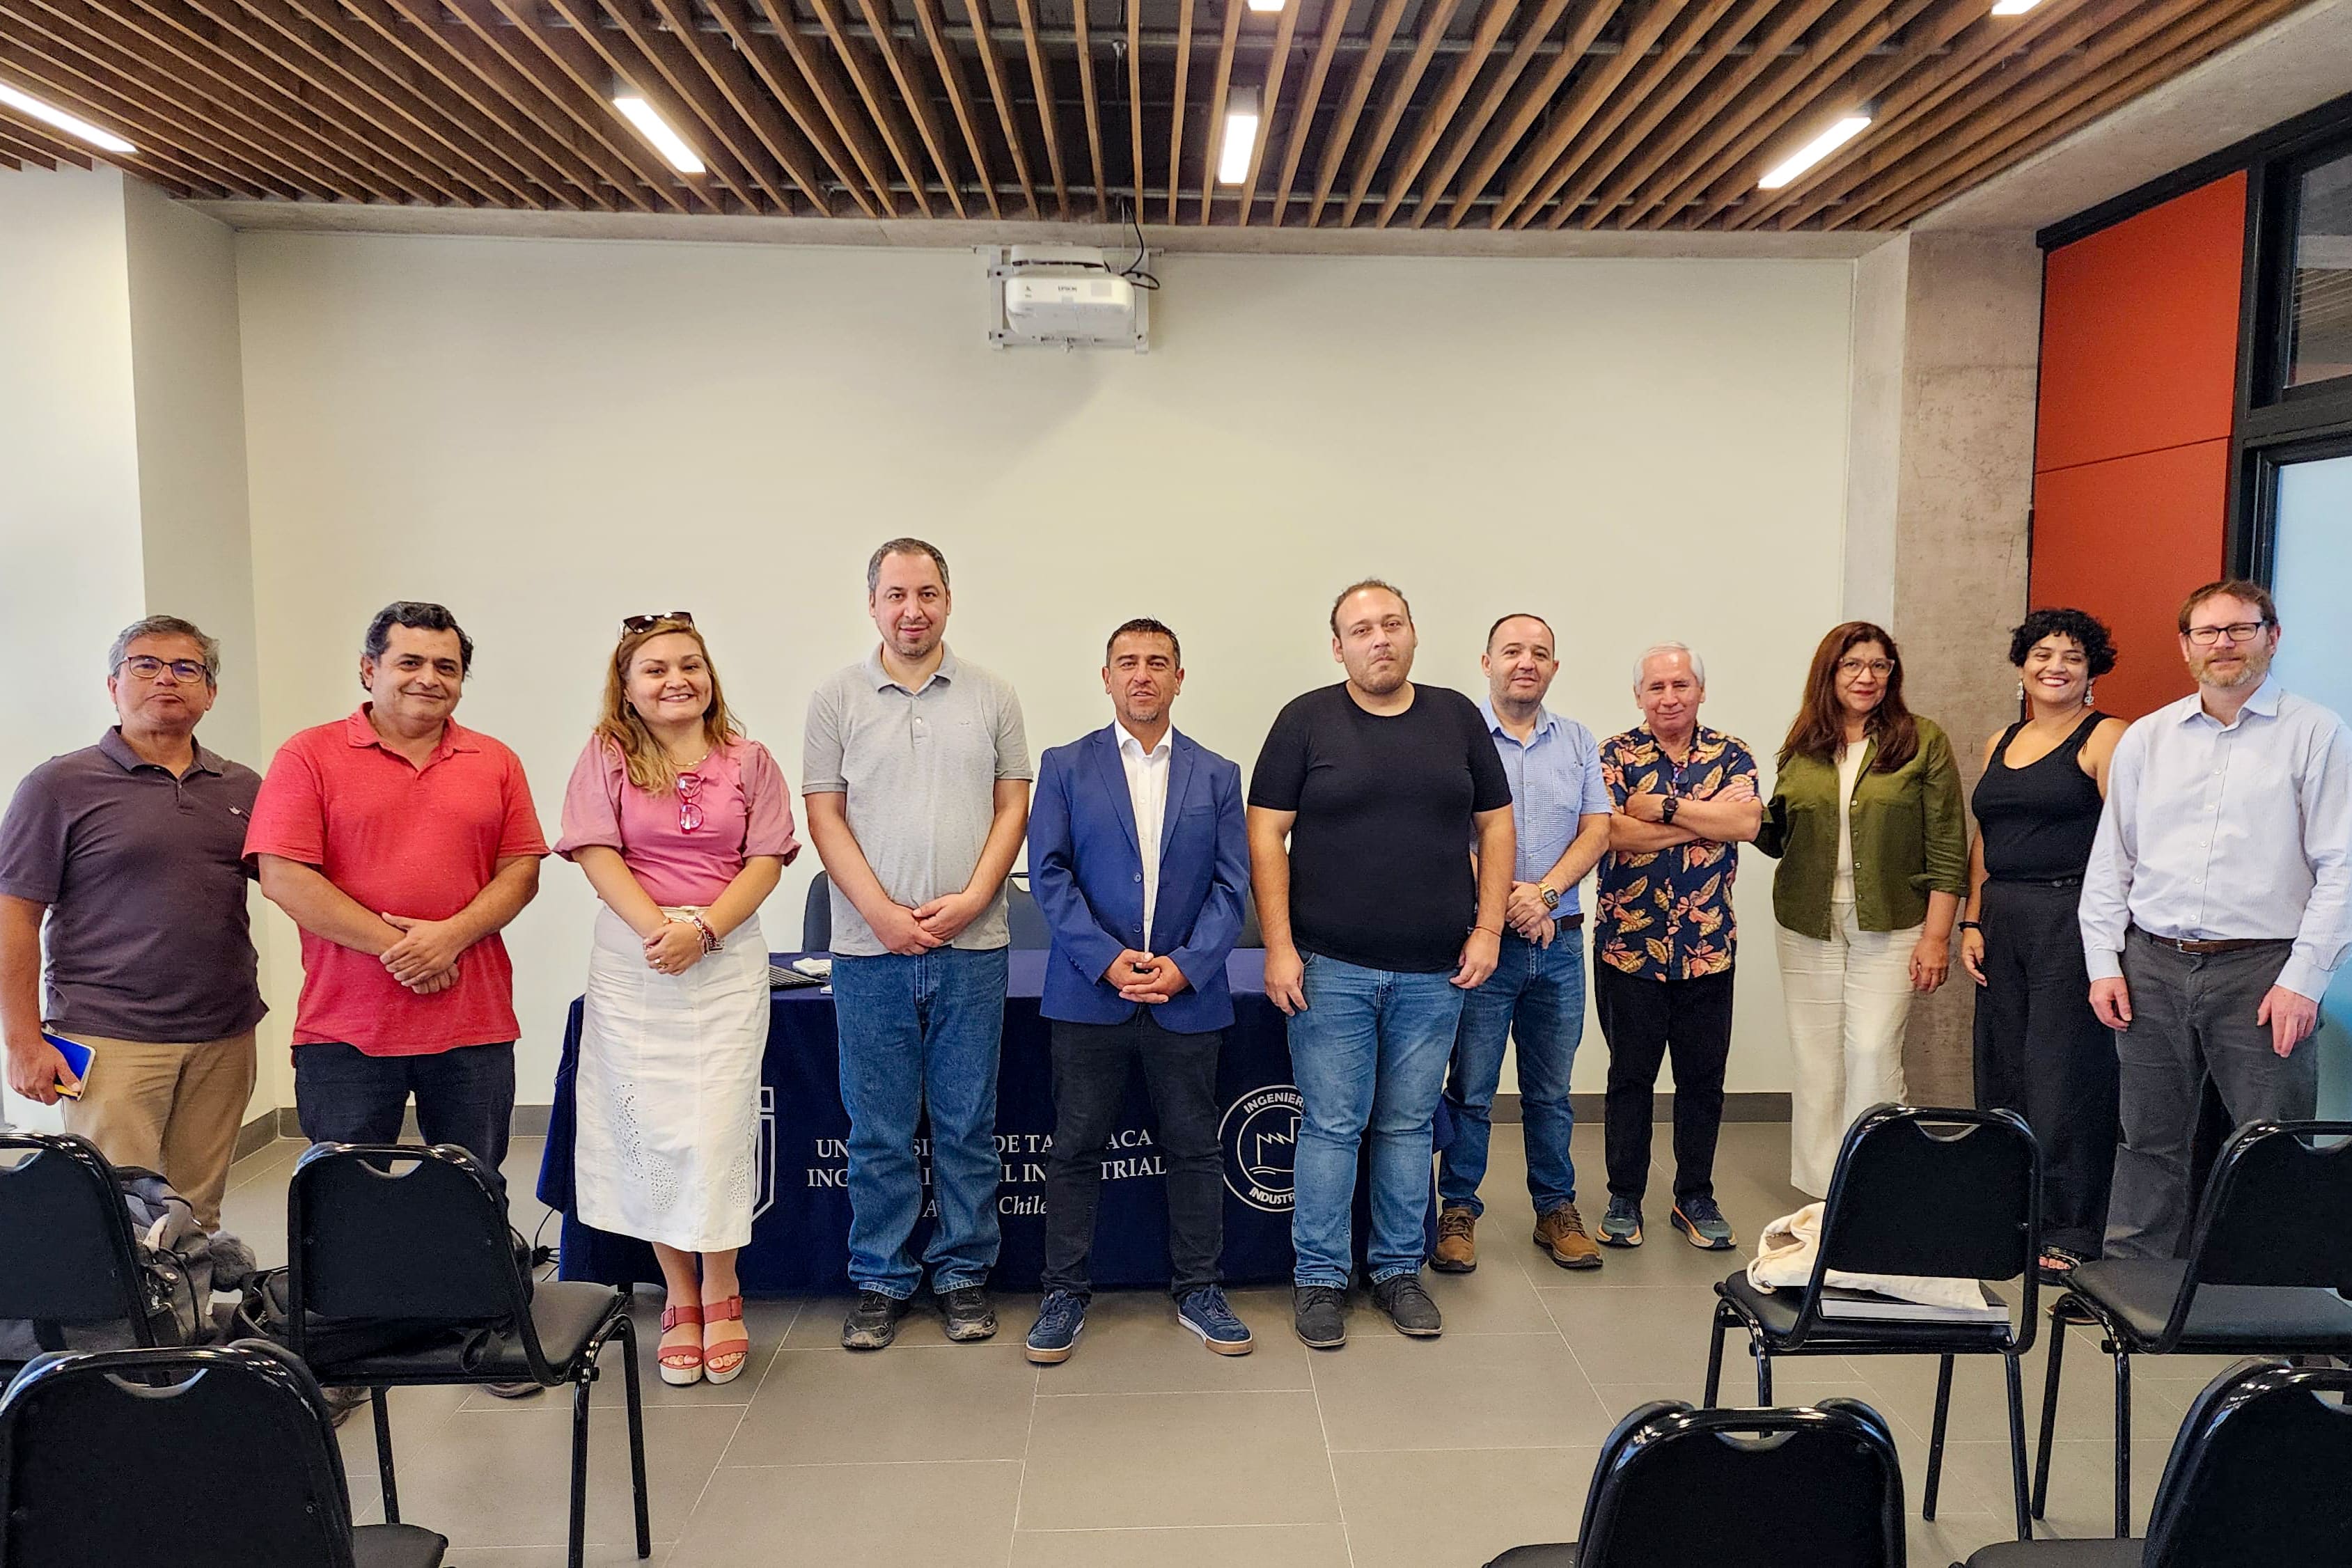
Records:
x=2192, y=1023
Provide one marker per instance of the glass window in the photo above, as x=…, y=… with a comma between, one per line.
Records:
x=2319, y=311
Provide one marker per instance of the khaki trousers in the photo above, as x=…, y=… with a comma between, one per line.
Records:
x=176, y=1108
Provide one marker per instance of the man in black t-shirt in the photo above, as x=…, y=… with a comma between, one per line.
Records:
x=1366, y=801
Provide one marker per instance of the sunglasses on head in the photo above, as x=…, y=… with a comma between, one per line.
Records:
x=632, y=625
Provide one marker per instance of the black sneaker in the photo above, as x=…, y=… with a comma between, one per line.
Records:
x=968, y=1315
x=1319, y=1313
x=873, y=1324
x=1408, y=1305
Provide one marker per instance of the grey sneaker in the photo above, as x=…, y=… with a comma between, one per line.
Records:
x=968, y=1315
x=1699, y=1219
x=873, y=1324
x=1408, y=1305
x=1621, y=1226
x=1319, y=1313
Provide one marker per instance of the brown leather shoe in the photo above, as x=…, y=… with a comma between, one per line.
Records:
x=1562, y=1235
x=1457, y=1245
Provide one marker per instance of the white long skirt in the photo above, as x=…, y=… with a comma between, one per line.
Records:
x=668, y=1090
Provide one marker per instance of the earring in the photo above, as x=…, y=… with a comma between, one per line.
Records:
x=2020, y=691
x=2090, y=694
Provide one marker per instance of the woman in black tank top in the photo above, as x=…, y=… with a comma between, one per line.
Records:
x=2040, y=1050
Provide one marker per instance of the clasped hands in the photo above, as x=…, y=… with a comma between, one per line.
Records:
x=425, y=958
x=926, y=926
x=1141, y=977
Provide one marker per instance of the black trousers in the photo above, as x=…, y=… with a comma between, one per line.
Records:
x=2042, y=1053
x=466, y=1097
x=1645, y=1022
x=1091, y=1063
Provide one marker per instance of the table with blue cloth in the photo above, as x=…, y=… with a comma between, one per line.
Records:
x=800, y=1226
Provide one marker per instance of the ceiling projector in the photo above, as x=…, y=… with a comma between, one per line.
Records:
x=1065, y=297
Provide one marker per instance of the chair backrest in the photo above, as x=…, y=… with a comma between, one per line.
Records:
x=2256, y=1476
x=2277, y=1209
x=1936, y=1191
x=1026, y=921
x=65, y=1237
x=387, y=1231
x=201, y=1456
x=816, y=916
x=1763, y=1489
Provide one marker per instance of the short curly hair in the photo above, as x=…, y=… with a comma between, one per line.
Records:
x=2088, y=633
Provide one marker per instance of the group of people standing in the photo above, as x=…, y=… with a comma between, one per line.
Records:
x=1414, y=860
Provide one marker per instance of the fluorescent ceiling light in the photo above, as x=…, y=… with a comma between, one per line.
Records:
x=656, y=129
x=2013, y=7
x=1814, y=152
x=1241, y=136
x=1266, y=5
x=106, y=140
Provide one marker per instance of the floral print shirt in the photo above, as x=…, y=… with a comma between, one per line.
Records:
x=1666, y=915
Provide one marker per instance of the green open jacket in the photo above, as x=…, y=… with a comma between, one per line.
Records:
x=1910, y=838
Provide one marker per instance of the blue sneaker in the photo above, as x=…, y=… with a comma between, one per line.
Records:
x=1621, y=1226
x=1703, y=1222
x=1205, y=1312
x=1061, y=1318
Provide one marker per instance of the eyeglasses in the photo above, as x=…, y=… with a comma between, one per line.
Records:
x=632, y=625
x=2236, y=631
x=689, y=802
x=147, y=668
x=1877, y=667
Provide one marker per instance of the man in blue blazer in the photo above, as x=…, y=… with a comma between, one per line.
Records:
x=1139, y=863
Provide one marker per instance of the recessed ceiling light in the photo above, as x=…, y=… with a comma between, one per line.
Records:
x=2013, y=7
x=1241, y=136
x=1266, y=5
x=82, y=128
x=1814, y=152
x=656, y=129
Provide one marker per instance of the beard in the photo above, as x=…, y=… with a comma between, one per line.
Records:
x=2256, y=664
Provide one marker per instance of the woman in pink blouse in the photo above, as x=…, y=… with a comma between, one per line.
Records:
x=683, y=826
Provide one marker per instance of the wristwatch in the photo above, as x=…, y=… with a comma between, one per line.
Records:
x=1551, y=895
x=1666, y=812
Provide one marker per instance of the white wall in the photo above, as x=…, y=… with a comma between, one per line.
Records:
x=547, y=435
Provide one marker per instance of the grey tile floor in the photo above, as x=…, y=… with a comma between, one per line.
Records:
x=1145, y=1450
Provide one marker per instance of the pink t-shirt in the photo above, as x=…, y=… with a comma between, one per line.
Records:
x=403, y=840
x=747, y=810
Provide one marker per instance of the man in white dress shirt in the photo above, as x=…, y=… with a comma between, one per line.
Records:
x=2217, y=905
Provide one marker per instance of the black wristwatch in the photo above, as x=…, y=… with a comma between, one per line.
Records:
x=1666, y=812
x=1551, y=895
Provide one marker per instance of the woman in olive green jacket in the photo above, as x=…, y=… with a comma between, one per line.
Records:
x=1867, y=821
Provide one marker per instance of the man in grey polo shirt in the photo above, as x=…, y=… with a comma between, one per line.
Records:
x=133, y=850
x=916, y=776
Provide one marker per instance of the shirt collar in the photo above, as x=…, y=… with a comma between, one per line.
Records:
x=118, y=752
x=1546, y=720
x=1133, y=747
x=882, y=678
x=2265, y=702
x=455, y=738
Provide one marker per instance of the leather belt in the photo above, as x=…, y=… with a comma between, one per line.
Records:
x=1567, y=923
x=2205, y=949
x=2075, y=881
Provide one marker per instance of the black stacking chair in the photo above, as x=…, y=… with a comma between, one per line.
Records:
x=1917, y=1190
x=2255, y=1480
x=201, y=1456
x=66, y=1240
x=816, y=916
x=1761, y=1489
x=427, y=1246
x=2271, y=1247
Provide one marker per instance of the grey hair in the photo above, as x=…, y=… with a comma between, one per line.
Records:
x=902, y=547
x=165, y=627
x=1698, y=665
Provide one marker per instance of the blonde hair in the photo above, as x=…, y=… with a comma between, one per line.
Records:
x=623, y=729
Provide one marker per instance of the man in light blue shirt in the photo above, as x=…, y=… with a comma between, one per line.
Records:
x=1560, y=806
x=2216, y=906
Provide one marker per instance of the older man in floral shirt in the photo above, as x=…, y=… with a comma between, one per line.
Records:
x=1662, y=938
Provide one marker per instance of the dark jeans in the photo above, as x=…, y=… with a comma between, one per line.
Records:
x=466, y=1097
x=1646, y=1022
x=1091, y=1063
x=2192, y=1024
x=2042, y=1053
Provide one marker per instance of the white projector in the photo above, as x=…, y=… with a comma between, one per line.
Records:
x=1065, y=297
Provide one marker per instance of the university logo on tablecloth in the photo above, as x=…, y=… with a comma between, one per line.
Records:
x=1260, y=1134
x=765, y=1160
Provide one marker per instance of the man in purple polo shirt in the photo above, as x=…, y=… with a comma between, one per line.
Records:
x=133, y=850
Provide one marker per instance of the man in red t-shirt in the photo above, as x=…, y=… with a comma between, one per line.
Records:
x=401, y=843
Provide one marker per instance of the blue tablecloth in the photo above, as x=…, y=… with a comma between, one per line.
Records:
x=801, y=1227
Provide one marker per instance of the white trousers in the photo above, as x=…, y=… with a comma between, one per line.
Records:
x=1848, y=1000
x=667, y=1092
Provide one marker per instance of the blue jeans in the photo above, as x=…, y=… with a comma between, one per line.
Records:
x=1536, y=995
x=1368, y=1053
x=920, y=1032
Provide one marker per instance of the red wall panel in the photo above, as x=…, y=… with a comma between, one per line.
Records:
x=2127, y=540
x=2139, y=330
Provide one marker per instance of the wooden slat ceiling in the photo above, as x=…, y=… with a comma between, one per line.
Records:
x=1449, y=114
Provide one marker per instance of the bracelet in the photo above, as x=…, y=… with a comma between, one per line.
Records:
x=1490, y=930
x=710, y=937
x=1971, y=925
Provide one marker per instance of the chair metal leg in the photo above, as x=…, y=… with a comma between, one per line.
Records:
x=376, y=1397
x=579, y=1472
x=627, y=1335
x=2049, y=1413
x=2123, y=1443
x=1715, y=1358
x=2015, y=1376
x=1935, y=1437
x=1763, y=1356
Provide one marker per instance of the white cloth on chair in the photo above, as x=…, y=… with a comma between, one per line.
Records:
x=1790, y=1244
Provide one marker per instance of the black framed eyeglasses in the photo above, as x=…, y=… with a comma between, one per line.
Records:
x=2236, y=631
x=146, y=667
x=632, y=625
